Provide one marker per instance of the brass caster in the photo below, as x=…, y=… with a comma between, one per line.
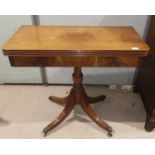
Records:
x=109, y=129
x=109, y=134
x=44, y=133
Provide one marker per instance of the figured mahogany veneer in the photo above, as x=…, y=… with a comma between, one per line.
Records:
x=75, y=40
x=76, y=46
x=69, y=61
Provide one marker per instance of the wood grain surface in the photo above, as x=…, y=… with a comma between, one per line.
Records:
x=71, y=61
x=60, y=40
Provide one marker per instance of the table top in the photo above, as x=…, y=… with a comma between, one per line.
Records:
x=54, y=40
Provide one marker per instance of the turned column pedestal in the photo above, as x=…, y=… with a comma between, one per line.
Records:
x=77, y=95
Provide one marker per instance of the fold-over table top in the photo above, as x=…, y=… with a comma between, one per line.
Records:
x=70, y=40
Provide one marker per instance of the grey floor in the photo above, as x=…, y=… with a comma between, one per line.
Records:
x=25, y=110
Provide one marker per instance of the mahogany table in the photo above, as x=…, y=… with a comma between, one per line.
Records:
x=76, y=46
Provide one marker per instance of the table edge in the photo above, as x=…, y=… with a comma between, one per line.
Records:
x=74, y=52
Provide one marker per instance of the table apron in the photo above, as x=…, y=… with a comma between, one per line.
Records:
x=81, y=61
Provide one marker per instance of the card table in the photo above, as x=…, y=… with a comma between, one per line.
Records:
x=77, y=47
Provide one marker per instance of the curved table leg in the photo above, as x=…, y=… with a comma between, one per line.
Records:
x=92, y=100
x=90, y=112
x=60, y=100
x=77, y=96
x=67, y=110
x=95, y=99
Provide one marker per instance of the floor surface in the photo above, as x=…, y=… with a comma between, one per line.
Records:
x=26, y=110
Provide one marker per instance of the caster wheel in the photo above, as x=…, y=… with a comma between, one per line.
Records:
x=44, y=133
x=109, y=129
x=110, y=134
